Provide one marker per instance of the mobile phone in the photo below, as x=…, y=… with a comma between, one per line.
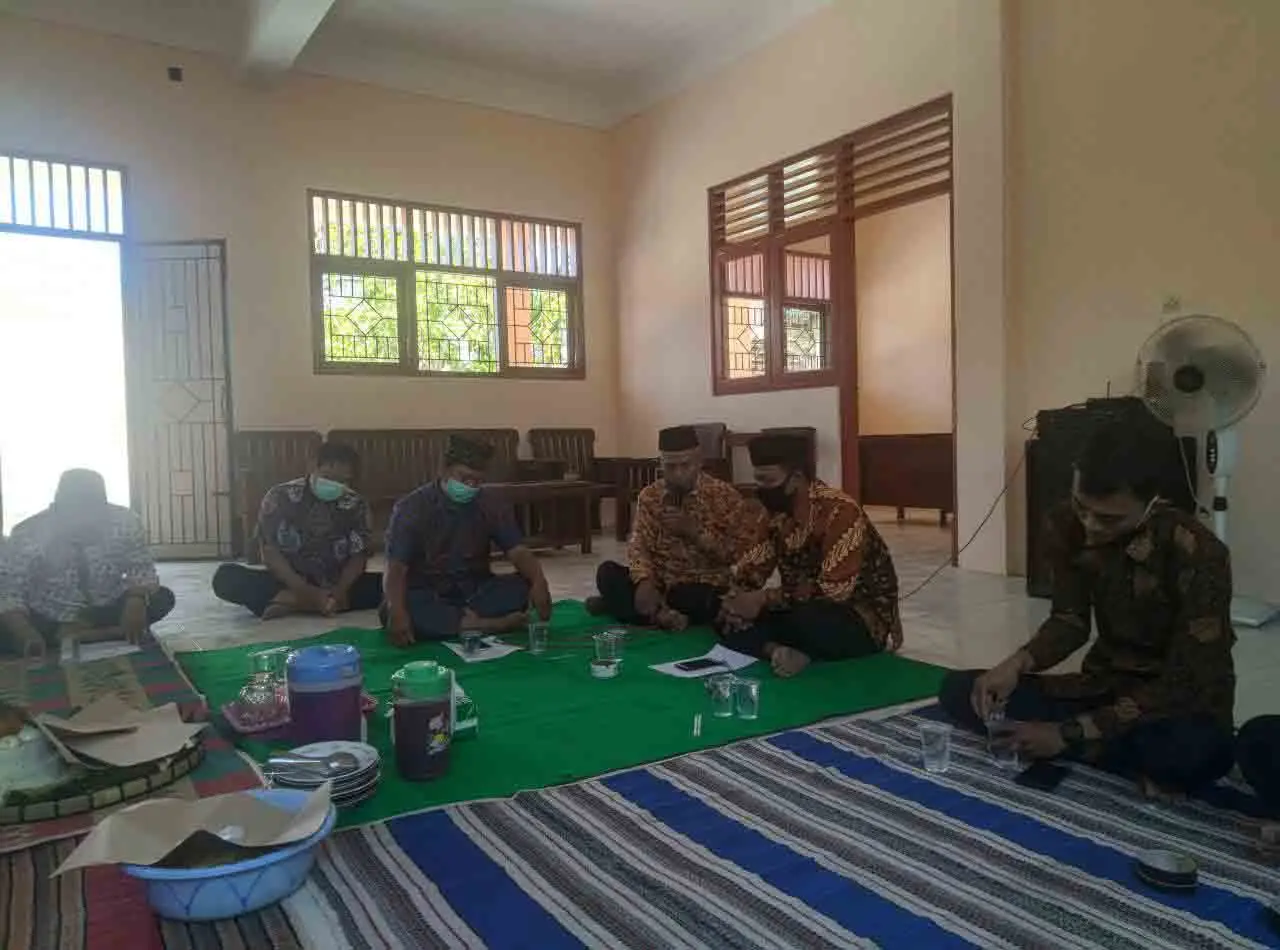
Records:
x=1043, y=776
x=702, y=663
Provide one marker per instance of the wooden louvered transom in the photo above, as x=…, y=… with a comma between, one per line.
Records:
x=902, y=159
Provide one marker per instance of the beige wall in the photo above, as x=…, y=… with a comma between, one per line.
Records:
x=1145, y=162
x=854, y=63
x=215, y=159
x=904, y=319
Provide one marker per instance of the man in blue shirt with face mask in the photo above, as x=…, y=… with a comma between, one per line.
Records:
x=315, y=538
x=438, y=580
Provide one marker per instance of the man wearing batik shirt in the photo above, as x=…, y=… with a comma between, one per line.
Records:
x=315, y=536
x=1156, y=691
x=839, y=594
x=439, y=581
x=688, y=529
x=81, y=567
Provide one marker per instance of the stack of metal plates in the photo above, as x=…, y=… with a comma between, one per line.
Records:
x=350, y=787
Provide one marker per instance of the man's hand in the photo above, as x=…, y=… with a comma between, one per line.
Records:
x=399, y=628
x=787, y=661
x=133, y=617
x=681, y=523
x=648, y=600
x=993, y=688
x=746, y=604
x=339, y=601
x=1035, y=740
x=540, y=598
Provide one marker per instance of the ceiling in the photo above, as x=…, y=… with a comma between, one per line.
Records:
x=591, y=62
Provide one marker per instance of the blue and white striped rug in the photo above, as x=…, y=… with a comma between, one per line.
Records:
x=824, y=837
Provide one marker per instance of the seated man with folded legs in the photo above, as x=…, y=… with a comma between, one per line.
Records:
x=1155, y=695
x=315, y=539
x=81, y=568
x=688, y=529
x=438, y=579
x=839, y=593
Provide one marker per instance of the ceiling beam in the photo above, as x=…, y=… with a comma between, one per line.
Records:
x=278, y=31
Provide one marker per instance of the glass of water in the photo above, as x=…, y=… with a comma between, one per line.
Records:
x=746, y=698
x=935, y=746
x=539, y=636
x=721, y=689
x=998, y=729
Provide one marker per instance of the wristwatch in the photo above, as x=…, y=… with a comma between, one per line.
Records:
x=1072, y=732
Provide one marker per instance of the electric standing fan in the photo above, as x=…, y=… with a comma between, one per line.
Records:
x=1201, y=375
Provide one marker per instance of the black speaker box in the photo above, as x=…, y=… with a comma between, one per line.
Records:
x=1051, y=456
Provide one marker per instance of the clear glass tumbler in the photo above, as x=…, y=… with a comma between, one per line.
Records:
x=721, y=689
x=539, y=636
x=608, y=646
x=471, y=642
x=998, y=728
x=746, y=698
x=935, y=746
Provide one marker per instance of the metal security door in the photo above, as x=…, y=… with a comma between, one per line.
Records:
x=179, y=397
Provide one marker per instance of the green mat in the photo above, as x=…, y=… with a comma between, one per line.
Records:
x=545, y=721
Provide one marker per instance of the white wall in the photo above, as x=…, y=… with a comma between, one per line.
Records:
x=841, y=69
x=212, y=158
x=904, y=319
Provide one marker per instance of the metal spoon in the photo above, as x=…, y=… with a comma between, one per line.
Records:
x=327, y=766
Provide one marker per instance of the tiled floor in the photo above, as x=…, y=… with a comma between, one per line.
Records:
x=959, y=619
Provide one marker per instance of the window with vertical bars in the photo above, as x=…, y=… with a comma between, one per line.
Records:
x=61, y=197
x=416, y=289
x=776, y=287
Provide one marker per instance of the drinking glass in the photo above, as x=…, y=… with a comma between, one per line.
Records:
x=998, y=727
x=720, y=686
x=746, y=698
x=470, y=642
x=935, y=746
x=539, y=635
x=608, y=646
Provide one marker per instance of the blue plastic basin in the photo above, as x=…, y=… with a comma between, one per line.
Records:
x=229, y=890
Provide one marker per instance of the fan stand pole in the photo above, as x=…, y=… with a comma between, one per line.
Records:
x=1221, y=451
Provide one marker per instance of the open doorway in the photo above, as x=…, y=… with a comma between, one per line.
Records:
x=905, y=394
x=62, y=382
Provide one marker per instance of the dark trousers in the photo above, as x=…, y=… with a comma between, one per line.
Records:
x=436, y=612
x=820, y=629
x=1258, y=752
x=1177, y=752
x=159, y=605
x=699, y=602
x=256, y=587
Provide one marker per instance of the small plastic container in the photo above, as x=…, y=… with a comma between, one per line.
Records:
x=422, y=713
x=325, y=687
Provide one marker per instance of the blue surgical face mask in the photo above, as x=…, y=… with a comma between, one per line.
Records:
x=326, y=489
x=460, y=492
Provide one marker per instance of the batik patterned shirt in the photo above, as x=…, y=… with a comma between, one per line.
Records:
x=48, y=570
x=836, y=554
x=1162, y=606
x=446, y=544
x=726, y=526
x=317, y=538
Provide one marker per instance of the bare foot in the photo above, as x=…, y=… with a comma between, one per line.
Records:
x=788, y=661
x=672, y=620
x=277, y=609
x=1155, y=793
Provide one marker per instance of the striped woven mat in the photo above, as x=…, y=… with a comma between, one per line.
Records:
x=824, y=837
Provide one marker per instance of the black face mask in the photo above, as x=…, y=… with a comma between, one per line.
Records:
x=776, y=499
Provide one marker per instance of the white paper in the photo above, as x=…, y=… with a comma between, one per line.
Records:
x=101, y=650
x=491, y=648
x=726, y=660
